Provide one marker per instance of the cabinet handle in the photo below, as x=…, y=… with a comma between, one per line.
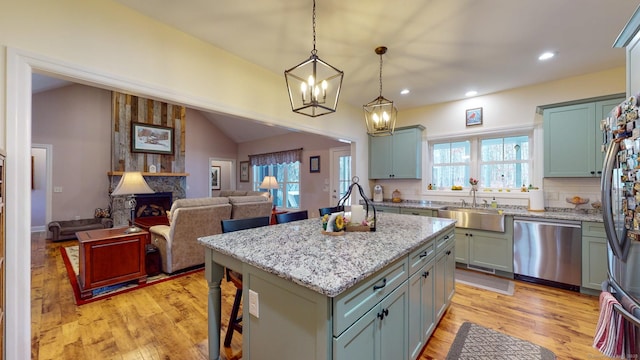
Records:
x=425, y=274
x=414, y=213
x=448, y=252
x=599, y=172
x=383, y=313
x=378, y=287
x=424, y=254
x=593, y=173
x=470, y=235
x=446, y=237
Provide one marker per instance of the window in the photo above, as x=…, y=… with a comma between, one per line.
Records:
x=504, y=162
x=451, y=163
x=498, y=162
x=287, y=195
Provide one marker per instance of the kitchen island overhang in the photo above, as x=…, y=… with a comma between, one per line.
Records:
x=294, y=269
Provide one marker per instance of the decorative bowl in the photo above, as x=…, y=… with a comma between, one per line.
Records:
x=577, y=200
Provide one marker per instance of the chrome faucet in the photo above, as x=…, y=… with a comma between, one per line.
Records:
x=485, y=203
x=464, y=203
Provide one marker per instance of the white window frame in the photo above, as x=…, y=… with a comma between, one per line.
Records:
x=475, y=158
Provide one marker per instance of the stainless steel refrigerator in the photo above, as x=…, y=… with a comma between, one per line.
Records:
x=620, y=185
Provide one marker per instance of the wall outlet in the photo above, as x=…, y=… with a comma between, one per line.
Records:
x=77, y=217
x=254, y=304
x=57, y=189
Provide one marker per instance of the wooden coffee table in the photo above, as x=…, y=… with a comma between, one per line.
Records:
x=109, y=257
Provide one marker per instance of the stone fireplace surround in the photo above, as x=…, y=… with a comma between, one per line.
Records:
x=173, y=184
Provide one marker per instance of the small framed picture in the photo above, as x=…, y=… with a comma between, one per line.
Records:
x=314, y=164
x=474, y=117
x=151, y=139
x=244, y=171
x=215, y=178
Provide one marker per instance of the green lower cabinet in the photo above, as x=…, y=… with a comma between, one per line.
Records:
x=419, y=212
x=388, y=209
x=462, y=246
x=444, y=285
x=490, y=250
x=382, y=333
x=422, y=320
x=594, y=255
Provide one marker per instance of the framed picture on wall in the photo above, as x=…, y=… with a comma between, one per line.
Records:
x=149, y=138
x=215, y=178
x=474, y=117
x=244, y=171
x=314, y=164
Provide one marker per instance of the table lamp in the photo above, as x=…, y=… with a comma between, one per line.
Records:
x=270, y=182
x=132, y=183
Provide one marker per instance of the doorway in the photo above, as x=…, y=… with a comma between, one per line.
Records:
x=222, y=175
x=41, y=180
x=340, y=174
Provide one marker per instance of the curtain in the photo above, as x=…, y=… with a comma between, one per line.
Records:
x=279, y=157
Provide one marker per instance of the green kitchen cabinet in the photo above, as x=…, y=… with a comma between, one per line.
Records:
x=422, y=319
x=487, y=249
x=388, y=209
x=573, y=139
x=445, y=267
x=419, y=212
x=379, y=334
x=594, y=255
x=397, y=156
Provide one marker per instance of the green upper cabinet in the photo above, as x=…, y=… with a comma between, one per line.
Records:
x=573, y=139
x=398, y=156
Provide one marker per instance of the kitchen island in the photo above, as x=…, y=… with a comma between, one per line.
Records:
x=377, y=295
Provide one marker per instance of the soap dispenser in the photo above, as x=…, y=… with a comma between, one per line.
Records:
x=494, y=203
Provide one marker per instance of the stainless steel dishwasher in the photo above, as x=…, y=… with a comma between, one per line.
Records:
x=548, y=252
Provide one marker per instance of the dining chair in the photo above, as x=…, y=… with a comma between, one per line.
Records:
x=291, y=216
x=231, y=225
x=330, y=210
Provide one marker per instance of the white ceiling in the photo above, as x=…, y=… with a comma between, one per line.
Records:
x=439, y=49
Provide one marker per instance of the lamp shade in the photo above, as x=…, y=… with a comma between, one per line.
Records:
x=132, y=183
x=269, y=182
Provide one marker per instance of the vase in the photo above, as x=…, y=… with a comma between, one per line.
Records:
x=474, y=187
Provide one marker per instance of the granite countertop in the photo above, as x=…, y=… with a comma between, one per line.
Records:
x=299, y=252
x=549, y=214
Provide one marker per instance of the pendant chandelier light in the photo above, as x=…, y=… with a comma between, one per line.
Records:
x=314, y=85
x=380, y=114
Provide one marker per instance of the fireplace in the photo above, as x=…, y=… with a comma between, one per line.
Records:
x=156, y=204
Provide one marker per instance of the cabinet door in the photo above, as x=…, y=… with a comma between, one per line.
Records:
x=407, y=154
x=602, y=111
x=380, y=165
x=569, y=141
x=450, y=274
x=494, y=251
x=393, y=331
x=439, y=285
x=594, y=261
x=388, y=209
x=419, y=212
x=462, y=246
x=360, y=340
x=421, y=319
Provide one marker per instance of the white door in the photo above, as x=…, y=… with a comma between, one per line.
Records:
x=340, y=173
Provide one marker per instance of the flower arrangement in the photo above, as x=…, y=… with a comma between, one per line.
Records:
x=338, y=223
x=473, y=181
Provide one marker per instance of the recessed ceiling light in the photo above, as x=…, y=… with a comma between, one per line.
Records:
x=471, y=93
x=546, y=56
x=405, y=91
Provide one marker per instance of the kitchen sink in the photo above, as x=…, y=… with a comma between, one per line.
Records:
x=474, y=218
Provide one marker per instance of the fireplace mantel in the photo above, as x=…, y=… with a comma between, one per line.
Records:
x=120, y=173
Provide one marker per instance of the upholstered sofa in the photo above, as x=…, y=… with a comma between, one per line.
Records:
x=191, y=219
x=66, y=229
x=227, y=193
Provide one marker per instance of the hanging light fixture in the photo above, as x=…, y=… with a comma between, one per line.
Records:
x=380, y=114
x=314, y=85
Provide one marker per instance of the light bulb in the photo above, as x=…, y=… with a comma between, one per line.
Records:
x=311, y=81
x=303, y=89
x=385, y=116
x=375, y=118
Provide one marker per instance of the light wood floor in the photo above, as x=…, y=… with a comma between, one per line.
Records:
x=169, y=320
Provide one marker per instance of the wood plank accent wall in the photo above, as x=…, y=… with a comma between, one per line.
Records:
x=129, y=108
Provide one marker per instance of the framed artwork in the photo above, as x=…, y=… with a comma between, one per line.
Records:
x=474, y=117
x=244, y=171
x=314, y=164
x=215, y=178
x=153, y=139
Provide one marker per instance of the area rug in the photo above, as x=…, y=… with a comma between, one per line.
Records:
x=70, y=258
x=477, y=342
x=486, y=282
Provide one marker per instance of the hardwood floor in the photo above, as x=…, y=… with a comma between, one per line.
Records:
x=169, y=320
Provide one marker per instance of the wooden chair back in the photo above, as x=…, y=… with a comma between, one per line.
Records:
x=291, y=216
